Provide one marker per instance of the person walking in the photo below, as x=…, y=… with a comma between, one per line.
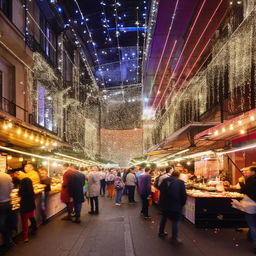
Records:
x=94, y=190
x=119, y=186
x=6, y=186
x=130, y=184
x=27, y=207
x=248, y=187
x=76, y=188
x=173, y=198
x=110, y=179
x=145, y=192
x=65, y=193
x=102, y=182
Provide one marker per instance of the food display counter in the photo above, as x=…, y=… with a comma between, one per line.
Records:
x=210, y=209
x=54, y=204
x=213, y=209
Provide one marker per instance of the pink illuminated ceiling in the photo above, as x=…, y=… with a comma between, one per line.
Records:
x=181, y=44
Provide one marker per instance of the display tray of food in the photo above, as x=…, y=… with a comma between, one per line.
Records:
x=15, y=199
x=225, y=194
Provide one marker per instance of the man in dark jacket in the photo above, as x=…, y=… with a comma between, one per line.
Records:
x=173, y=198
x=76, y=184
x=248, y=187
x=145, y=192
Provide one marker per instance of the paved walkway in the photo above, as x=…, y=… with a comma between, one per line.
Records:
x=120, y=231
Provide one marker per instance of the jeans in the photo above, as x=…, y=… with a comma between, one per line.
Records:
x=102, y=187
x=5, y=230
x=175, y=216
x=251, y=221
x=94, y=202
x=119, y=193
x=145, y=205
x=131, y=190
x=25, y=217
x=78, y=208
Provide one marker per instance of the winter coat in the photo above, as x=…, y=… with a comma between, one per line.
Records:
x=26, y=193
x=76, y=186
x=130, y=179
x=249, y=188
x=32, y=175
x=65, y=194
x=145, y=185
x=119, y=184
x=172, y=195
x=94, y=184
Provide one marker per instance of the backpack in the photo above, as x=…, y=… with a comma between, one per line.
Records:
x=119, y=184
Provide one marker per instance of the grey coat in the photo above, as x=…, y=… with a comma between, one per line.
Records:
x=94, y=184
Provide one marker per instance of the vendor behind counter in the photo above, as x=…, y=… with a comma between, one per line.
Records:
x=29, y=172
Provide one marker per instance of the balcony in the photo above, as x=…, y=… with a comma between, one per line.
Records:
x=12, y=109
x=20, y=113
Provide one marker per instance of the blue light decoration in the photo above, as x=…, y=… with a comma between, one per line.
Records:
x=129, y=29
x=59, y=9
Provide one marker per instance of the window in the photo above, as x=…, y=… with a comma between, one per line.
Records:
x=48, y=40
x=6, y=7
x=44, y=108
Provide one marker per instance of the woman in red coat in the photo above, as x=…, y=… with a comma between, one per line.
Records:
x=65, y=193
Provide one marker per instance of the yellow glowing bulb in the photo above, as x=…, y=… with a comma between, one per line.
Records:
x=216, y=133
x=47, y=144
x=31, y=137
x=41, y=141
x=240, y=122
x=21, y=159
x=252, y=118
x=10, y=125
x=5, y=126
x=231, y=127
x=223, y=129
x=33, y=159
x=36, y=140
x=19, y=131
x=242, y=131
x=9, y=157
x=25, y=135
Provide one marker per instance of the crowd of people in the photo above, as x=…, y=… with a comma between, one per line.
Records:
x=124, y=182
x=80, y=185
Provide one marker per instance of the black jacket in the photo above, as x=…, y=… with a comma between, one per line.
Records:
x=26, y=193
x=172, y=195
x=249, y=188
x=76, y=185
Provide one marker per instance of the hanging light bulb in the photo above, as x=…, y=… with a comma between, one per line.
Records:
x=19, y=131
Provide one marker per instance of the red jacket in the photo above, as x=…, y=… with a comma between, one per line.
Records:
x=65, y=194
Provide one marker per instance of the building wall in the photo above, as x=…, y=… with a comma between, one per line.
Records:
x=39, y=61
x=120, y=146
x=224, y=88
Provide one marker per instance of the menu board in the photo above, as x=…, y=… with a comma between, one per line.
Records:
x=2, y=163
